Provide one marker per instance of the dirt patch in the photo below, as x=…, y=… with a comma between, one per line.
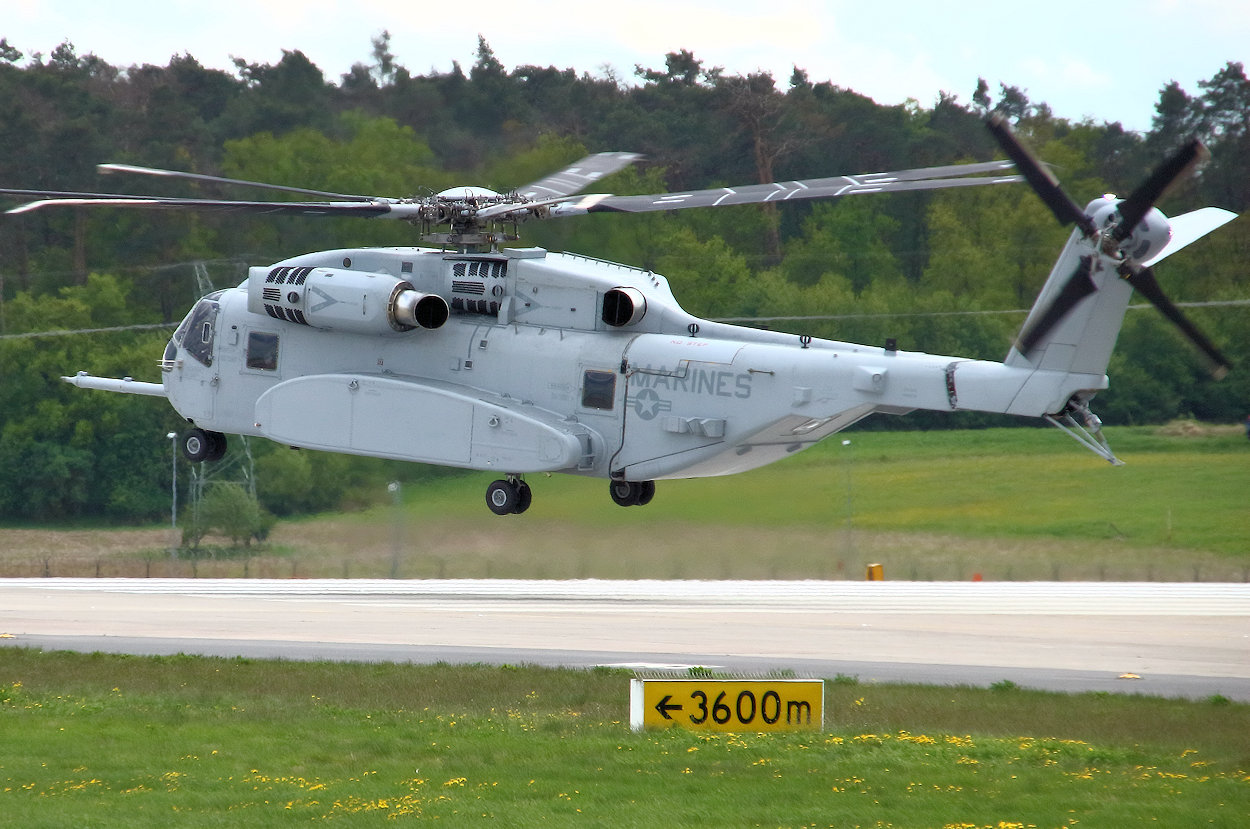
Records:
x=24, y=545
x=1194, y=429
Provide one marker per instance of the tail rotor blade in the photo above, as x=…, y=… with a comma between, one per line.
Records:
x=1041, y=179
x=1138, y=204
x=1143, y=281
x=1079, y=285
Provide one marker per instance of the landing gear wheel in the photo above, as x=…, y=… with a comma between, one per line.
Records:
x=632, y=493
x=622, y=492
x=202, y=445
x=502, y=497
x=510, y=497
x=196, y=445
x=524, y=495
x=216, y=446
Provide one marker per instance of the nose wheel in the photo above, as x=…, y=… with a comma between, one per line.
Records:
x=632, y=493
x=202, y=445
x=511, y=496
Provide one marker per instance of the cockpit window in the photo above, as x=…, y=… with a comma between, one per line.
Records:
x=198, y=330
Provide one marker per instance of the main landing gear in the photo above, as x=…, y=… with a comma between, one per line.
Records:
x=512, y=496
x=509, y=497
x=203, y=445
x=632, y=493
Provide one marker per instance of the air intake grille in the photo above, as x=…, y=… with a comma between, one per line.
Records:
x=289, y=314
x=473, y=278
x=480, y=268
x=286, y=275
x=475, y=306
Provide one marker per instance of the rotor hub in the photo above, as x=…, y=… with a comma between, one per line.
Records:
x=1142, y=242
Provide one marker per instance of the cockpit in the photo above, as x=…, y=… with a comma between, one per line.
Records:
x=197, y=333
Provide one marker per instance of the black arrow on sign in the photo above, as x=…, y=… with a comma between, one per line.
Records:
x=664, y=707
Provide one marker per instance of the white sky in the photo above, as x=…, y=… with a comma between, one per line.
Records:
x=1106, y=61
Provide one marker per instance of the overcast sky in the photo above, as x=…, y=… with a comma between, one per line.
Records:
x=1105, y=61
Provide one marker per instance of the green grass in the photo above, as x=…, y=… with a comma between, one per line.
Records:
x=1023, y=483
x=1009, y=503
x=96, y=740
x=1021, y=504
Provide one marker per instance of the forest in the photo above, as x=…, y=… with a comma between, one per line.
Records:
x=951, y=272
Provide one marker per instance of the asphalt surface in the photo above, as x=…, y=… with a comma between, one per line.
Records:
x=1175, y=640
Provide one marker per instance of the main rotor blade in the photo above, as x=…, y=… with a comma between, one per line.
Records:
x=1133, y=209
x=577, y=177
x=154, y=171
x=65, y=194
x=367, y=209
x=931, y=178
x=1040, y=178
x=1143, y=281
x=1079, y=285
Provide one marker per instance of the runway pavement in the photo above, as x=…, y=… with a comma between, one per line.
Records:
x=1167, y=639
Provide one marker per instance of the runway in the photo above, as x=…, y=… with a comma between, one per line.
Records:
x=1190, y=640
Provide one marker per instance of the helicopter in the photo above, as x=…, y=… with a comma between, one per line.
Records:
x=518, y=360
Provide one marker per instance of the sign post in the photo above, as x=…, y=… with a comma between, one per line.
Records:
x=727, y=704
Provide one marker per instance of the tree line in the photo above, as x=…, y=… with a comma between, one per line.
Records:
x=940, y=272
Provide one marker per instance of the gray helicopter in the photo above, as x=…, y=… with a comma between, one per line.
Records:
x=520, y=360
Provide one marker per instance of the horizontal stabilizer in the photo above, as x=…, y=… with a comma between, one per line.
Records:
x=1190, y=227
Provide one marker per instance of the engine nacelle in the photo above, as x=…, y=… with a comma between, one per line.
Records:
x=342, y=300
x=1150, y=236
x=624, y=306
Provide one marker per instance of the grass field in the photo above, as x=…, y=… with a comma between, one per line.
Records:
x=1023, y=504
x=96, y=740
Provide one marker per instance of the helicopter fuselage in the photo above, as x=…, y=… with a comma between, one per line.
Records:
x=545, y=362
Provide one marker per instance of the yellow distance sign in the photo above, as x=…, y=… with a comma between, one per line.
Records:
x=727, y=704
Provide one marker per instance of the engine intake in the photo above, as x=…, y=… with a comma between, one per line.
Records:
x=340, y=300
x=623, y=306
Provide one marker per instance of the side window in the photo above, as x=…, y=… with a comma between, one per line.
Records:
x=598, y=389
x=262, y=350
